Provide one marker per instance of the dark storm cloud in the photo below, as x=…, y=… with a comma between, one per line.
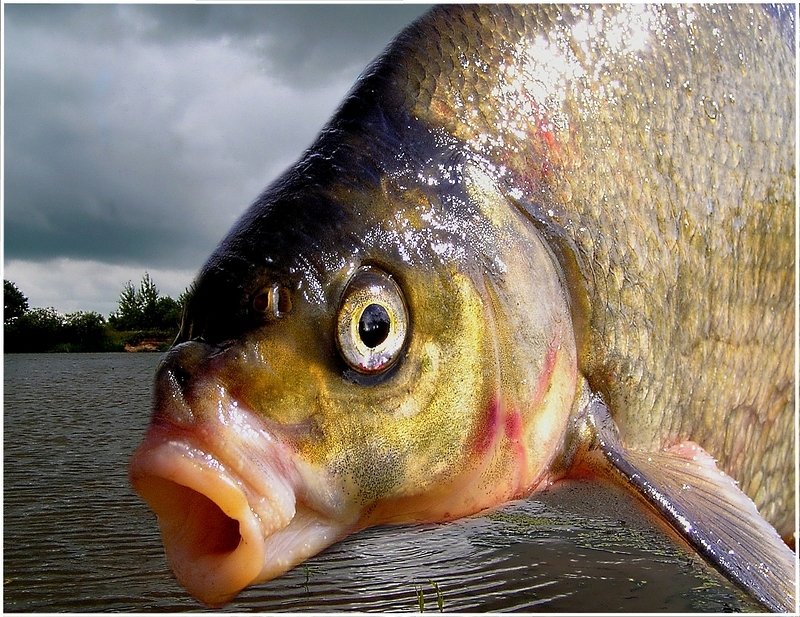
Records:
x=302, y=43
x=138, y=134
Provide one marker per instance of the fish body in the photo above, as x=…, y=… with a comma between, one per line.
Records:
x=532, y=242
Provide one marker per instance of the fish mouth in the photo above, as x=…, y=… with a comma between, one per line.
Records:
x=227, y=521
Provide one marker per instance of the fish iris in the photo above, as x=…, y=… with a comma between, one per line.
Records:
x=372, y=321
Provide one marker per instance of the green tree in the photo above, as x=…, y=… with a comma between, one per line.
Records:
x=145, y=309
x=148, y=299
x=15, y=304
x=168, y=313
x=129, y=310
x=137, y=308
x=85, y=331
x=40, y=329
x=186, y=294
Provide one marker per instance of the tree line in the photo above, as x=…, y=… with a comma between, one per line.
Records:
x=144, y=318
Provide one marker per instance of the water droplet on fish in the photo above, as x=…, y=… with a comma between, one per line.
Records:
x=711, y=108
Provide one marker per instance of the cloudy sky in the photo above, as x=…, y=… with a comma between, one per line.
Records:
x=135, y=135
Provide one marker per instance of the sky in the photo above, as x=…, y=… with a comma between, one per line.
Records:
x=135, y=135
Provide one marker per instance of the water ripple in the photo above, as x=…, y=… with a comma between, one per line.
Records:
x=76, y=538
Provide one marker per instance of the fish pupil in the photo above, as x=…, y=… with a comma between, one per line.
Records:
x=373, y=327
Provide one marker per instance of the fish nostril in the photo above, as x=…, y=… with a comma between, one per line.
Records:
x=180, y=366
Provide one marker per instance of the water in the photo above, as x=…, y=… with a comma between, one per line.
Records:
x=76, y=538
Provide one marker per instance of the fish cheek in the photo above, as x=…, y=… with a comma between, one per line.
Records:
x=369, y=439
x=436, y=400
x=278, y=369
x=369, y=470
x=289, y=373
x=397, y=449
x=292, y=379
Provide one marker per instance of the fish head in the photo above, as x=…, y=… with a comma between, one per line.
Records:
x=367, y=346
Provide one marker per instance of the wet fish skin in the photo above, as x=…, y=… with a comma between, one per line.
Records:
x=437, y=437
x=457, y=272
x=561, y=201
x=656, y=146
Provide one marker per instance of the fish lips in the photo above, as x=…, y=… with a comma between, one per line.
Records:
x=233, y=507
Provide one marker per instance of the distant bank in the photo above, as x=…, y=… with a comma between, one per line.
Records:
x=148, y=345
x=143, y=321
x=44, y=334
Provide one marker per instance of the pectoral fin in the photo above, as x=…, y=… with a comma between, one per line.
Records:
x=707, y=508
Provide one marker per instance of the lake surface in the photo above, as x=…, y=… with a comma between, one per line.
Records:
x=76, y=538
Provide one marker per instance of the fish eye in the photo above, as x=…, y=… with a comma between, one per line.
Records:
x=372, y=322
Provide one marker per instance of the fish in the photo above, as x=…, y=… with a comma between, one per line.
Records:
x=534, y=243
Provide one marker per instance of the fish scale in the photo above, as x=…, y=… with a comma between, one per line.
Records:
x=687, y=220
